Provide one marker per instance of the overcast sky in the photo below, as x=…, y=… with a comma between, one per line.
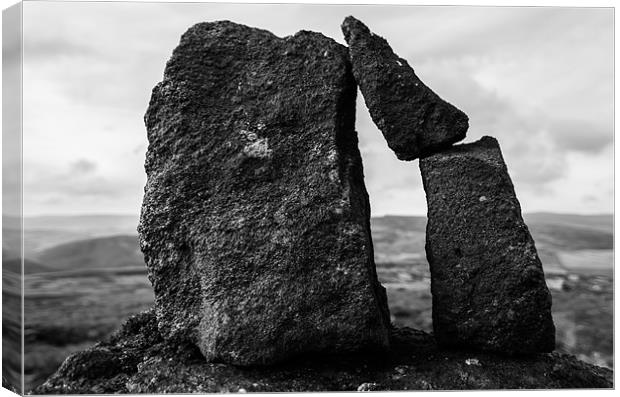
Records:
x=540, y=80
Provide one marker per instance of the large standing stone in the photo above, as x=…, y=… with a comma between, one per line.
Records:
x=413, y=119
x=255, y=220
x=487, y=281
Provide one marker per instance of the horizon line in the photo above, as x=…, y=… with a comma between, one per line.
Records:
x=118, y=214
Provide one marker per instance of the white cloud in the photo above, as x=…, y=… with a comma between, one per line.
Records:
x=538, y=79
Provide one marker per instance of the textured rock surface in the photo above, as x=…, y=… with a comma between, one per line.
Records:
x=487, y=281
x=413, y=119
x=255, y=220
x=137, y=360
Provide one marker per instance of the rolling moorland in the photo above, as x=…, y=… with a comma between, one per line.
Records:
x=85, y=275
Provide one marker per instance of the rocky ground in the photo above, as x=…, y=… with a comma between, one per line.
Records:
x=136, y=360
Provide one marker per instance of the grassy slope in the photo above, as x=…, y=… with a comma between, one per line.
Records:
x=95, y=253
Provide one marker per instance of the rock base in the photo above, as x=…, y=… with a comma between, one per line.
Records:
x=137, y=360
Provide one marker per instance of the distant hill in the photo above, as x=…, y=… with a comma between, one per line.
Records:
x=571, y=232
x=398, y=222
x=60, y=243
x=11, y=222
x=11, y=245
x=398, y=239
x=14, y=265
x=560, y=231
x=602, y=223
x=9, y=253
x=89, y=225
x=41, y=232
x=96, y=253
x=565, y=242
x=36, y=240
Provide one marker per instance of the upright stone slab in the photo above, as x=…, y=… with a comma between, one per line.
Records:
x=413, y=119
x=487, y=281
x=255, y=219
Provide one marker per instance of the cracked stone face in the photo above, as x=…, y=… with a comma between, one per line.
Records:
x=255, y=220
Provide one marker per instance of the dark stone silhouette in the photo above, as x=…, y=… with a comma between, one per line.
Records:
x=255, y=219
x=137, y=360
x=487, y=282
x=413, y=119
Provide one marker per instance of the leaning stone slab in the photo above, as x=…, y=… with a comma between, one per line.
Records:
x=255, y=219
x=487, y=282
x=413, y=119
